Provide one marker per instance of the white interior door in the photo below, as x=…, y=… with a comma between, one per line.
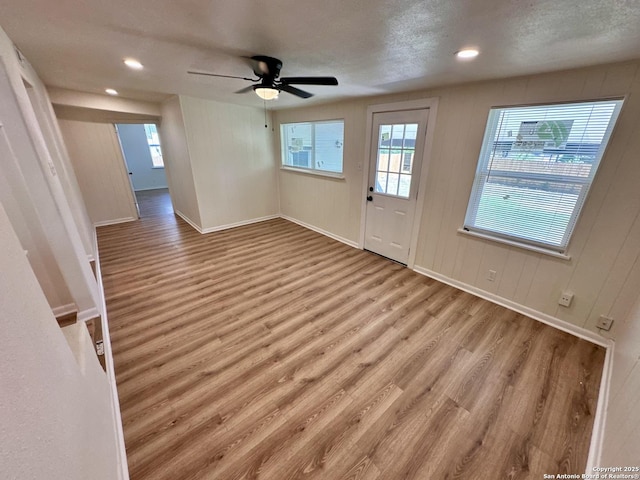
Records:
x=128, y=169
x=394, y=173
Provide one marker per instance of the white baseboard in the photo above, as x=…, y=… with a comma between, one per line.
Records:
x=88, y=314
x=511, y=305
x=188, y=220
x=351, y=243
x=151, y=188
x=123, y=471
x=346, y=241
x=114, y=221
x=223, y=227
x=239, y=224
x=600, y=419
x=597, y=432
x=64, y=310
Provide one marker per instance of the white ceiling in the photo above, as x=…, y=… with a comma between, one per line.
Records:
x=371, y=46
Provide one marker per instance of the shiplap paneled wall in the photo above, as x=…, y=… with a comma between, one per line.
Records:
x=330, y=204
x=177, y=163
x=605, y=244
x=622, y=428
x=232, y=162
x=97, y=160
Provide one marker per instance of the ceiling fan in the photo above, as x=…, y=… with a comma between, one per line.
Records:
x=269, y=85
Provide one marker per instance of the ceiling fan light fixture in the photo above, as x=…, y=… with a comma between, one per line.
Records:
x=266, y=93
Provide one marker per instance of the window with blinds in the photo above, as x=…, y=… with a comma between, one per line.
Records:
x=313, y=145
x=535, y=168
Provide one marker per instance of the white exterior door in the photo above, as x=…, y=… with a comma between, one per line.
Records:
x=397, y=148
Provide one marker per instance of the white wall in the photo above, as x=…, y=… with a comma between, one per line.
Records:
x=327, y=203
x=177, y=163
x=107, y=103
x=232, y=162
x=56, y=413
x=135, y=146
x=606, y=241
x=37, y=165
x=14, y=196
x=97, y=159
x=622, y=428
x=60, y=157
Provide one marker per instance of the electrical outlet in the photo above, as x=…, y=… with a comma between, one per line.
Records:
x=565, y=299
x=491, y=275
x=604, y=323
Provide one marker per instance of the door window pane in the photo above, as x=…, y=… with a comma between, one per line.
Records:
x=407, y=161
x=405, y=186
x=385, y=135
x=383, y=160
x=396, y=150
x=392, y=184
x=381, y=182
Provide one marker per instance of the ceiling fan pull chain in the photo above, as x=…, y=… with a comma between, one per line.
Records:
x=265, y=113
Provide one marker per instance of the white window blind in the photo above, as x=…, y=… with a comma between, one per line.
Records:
x=535, y=168
x=313, y=145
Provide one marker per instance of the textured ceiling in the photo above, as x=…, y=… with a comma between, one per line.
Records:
x=371, y=46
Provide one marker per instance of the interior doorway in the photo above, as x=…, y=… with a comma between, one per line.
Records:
x=142, y=152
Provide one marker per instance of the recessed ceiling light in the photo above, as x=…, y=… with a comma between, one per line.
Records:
x=111, y=91
x=467, y=53
x=134, y=64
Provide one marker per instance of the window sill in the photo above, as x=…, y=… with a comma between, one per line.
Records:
x=512, y=243
x=154, y=167
x=317, y=173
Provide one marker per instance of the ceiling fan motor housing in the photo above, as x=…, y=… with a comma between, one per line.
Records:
x=266, y=67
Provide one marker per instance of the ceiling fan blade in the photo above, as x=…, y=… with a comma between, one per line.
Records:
x=309, y=80
x=224, y=76
x=245, y=89
x=294, y=91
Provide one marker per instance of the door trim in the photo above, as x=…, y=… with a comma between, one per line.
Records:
x=432, y=105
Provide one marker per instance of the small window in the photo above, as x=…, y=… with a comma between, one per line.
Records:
x=313, y=145
x=154, y=145
x=535, y=168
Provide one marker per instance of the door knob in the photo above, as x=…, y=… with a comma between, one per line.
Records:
x=369, y=198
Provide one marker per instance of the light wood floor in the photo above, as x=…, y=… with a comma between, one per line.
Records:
x=272, y=352
x=152, y=203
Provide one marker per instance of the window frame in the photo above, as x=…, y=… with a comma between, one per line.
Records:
x=484, y=169
x=312, y=169
x=151, y=145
